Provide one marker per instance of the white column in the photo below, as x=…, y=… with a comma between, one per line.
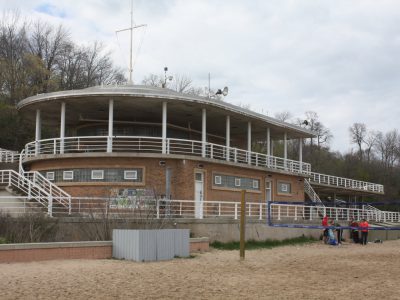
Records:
x=268, y=146
x=164, y=127
x=285, y=145
x=228, y=136
x=272, y=147
x=301, y=154
x=62, y=128
x=110, y=125
x=249, y=142
x=203, y=132
x=38, y=131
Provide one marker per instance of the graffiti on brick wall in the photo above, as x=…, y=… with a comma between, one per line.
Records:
x=132, y=198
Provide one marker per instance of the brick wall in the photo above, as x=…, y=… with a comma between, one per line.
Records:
x=52, y=251
x=72, y=250
x=182, y=181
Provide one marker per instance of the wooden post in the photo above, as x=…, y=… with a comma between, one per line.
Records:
x=242, y=225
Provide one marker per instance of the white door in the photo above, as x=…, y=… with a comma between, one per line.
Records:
x=198, y=194
x=268, y=191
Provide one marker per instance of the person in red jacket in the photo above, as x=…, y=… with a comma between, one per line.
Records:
x=325, y=224
x=364, y=231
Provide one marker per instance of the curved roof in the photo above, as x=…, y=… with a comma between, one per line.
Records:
x=91, y=100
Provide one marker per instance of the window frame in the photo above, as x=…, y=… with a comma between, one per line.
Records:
x=219, y=181
x=238, y=180
x=255, y=184
x=126, y=177
x=50, y=178
x=67, y=172
x=92, y=177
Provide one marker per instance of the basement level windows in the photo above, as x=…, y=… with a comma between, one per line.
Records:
x=130, y=174
x=68, y=175
x=97, y=174
x=50, y=176
x=235, y=182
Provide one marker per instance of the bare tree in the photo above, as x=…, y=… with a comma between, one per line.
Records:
x=388, y=148
x=284, y=116
x=358, y=132
x=179, y=83
x=370, y=141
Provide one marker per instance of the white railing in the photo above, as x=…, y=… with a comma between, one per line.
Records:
x=57, y=193
x=21, y=184
x=288, y=213
x=8, y=156
x=308, y=189
x=42, y=182
x=151, y=209
x=334, y=181
x=155, y=145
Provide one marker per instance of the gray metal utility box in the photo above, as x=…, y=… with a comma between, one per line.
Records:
x=149, y=244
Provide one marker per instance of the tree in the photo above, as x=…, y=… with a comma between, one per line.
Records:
x=284, y=116
x=179, y=83
x=358, y=132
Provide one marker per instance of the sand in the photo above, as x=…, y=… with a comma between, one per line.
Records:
x=313, y=271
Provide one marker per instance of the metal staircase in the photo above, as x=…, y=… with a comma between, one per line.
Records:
x=58, y=196
x=18, y=184
x=321, y=211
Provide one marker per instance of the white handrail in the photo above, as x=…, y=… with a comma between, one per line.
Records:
x=158, y=208
x=154, y=145
x=8, y=156
x=52, y=189
x=317, y=178
x=31, y=190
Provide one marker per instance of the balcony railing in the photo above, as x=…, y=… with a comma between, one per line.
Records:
x=8, y=156
x=137, y=144
x=341, y=182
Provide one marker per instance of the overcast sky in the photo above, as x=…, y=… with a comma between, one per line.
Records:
x=337, y=58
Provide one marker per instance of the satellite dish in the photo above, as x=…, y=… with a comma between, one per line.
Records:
x=225, y=91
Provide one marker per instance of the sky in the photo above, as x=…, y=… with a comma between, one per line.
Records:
x=339, y=58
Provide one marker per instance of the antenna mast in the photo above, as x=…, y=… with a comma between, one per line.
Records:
x=131, y=44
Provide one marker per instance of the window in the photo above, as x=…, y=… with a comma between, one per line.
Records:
x=98, y=174
x=255, y=184
x=217, y=180
x=237, y=181
x=284, y=187
x=50, y=176
x=131, y=174
x=68, y=175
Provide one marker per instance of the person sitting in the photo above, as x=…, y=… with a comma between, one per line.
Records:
x=331, y=236
x=354, y=231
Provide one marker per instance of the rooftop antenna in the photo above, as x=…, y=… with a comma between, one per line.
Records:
x=131, y=29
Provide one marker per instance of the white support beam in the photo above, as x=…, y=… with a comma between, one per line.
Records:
x=62, y=128
x=249, y=142
x=301, y=154
x=38, y=131
x=228, y=136
x=285, y=145
x=272, y=147
x=268, y=141
x=203, y=132
x=164, y=127
x=110, y=125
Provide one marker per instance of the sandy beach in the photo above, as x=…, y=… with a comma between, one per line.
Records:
x=313, y=271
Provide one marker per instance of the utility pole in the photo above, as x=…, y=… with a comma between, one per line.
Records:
x=131, y=44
